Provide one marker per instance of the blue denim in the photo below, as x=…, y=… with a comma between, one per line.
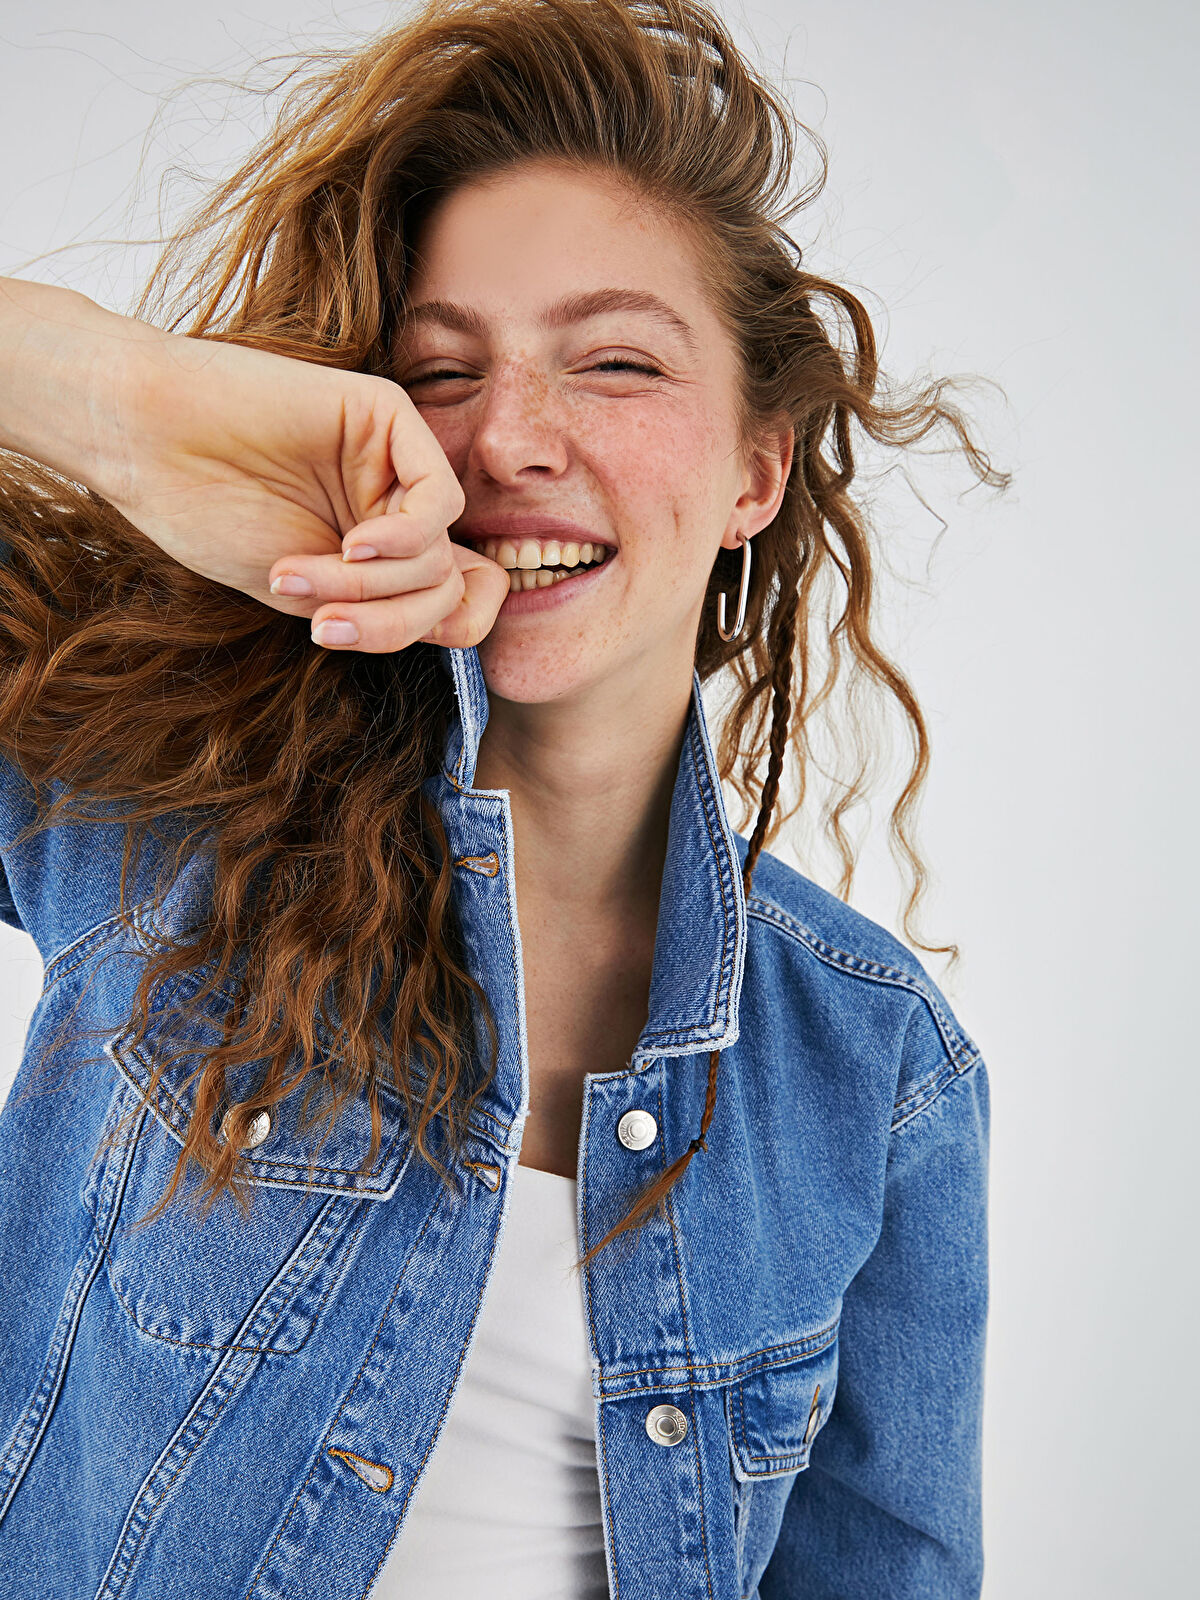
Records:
x=241, y=1409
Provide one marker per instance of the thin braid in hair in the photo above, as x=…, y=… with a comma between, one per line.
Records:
x=783, y=627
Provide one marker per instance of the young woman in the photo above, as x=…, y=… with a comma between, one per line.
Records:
x=358, y=793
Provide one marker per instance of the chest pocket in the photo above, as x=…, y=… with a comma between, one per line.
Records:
x=777, y=1410
x=233, y=1280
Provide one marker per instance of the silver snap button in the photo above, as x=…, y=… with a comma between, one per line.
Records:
x=637, y=1129
x=666, y=1424
x=260, y=1127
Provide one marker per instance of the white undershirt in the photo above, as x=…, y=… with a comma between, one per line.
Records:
x=509, y=1503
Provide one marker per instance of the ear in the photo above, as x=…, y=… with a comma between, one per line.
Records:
x=764, y=483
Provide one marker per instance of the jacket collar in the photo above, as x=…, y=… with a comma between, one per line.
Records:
x=700, y=946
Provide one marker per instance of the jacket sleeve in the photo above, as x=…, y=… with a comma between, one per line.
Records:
x=10, y=799
x=65, y=879
x=16, y=809
x=890, y=1504
x=8, y=907
x=61, y=881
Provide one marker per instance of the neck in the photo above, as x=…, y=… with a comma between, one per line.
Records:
x=590, y=784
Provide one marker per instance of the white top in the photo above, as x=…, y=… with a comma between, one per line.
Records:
x=509, y=1502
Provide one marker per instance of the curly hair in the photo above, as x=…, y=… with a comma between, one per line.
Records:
x=131, y=681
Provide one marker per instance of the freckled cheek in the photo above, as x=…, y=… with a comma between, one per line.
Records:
x=661, y=458
x=454, y=435
x=648, y=460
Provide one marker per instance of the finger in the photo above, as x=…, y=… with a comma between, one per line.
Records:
x=427, y=498
x=329, y=578
x=394, y=536
x=386, y=625
x=486, y=587
x=391, y=534
x=457, y=613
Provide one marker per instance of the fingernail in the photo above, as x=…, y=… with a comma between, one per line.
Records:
x=291, y=584
x=335, y=631
x=359, y=552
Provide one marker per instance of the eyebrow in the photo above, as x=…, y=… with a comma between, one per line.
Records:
x=565, y=311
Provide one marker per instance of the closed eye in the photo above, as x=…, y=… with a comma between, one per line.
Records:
x=626, y=366
x=612, y=363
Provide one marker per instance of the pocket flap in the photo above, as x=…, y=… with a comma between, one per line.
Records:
x=777, y=1410
x=288, y=1156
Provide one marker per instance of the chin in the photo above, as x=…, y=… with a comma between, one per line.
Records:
x=532, y=674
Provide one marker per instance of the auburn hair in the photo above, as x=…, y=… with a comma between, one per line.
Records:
x=142, y=689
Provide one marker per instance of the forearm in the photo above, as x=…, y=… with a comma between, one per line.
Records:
x=64, y=361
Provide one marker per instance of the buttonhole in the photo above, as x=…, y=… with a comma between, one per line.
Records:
x=374, y=1475
x=487, y=866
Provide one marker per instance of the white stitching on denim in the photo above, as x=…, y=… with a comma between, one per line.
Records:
x=959, y=1046
x=962, y=1055
x=901, y=1123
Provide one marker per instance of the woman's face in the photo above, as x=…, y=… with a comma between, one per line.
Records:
x=571, y=368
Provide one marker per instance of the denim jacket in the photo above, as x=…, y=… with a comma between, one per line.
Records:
x=241, y=1409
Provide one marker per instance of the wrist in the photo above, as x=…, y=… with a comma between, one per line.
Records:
x=65, y=363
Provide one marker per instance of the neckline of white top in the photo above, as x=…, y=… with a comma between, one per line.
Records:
x=558, y=1177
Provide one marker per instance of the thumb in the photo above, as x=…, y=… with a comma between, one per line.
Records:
x=485, y=589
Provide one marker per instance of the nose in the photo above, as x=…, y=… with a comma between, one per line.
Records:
x=520, y=431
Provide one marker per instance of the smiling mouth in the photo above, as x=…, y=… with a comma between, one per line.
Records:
x=538, y=563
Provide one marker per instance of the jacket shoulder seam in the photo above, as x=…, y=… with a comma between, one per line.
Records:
x=922, y=1095
x=961, y=1051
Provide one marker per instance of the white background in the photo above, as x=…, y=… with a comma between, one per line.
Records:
x=1012, y=191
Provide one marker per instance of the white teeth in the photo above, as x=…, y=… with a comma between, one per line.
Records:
x=542, y=579
x=529, y=564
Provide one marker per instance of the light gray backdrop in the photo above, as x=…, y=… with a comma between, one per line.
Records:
x=1012, y=190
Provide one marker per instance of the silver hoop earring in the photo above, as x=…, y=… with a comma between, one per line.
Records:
x=743, y=591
